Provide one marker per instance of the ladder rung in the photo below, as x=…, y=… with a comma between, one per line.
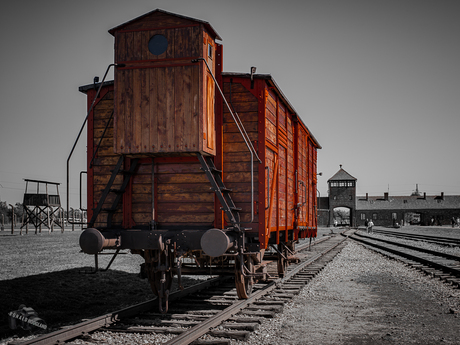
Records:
x=215, y=170
x=235, y=208
x=127, y=172
x=117, y=191
x=222, y=189
x=109, y=210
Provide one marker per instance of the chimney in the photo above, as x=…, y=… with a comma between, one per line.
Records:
x=442, y=195
x=367, y=196
x=385, y=196
x=424, y=195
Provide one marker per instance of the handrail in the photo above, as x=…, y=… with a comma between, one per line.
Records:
x=79, y=134
x=268, y=187
x=81, y=204
x=243, y=133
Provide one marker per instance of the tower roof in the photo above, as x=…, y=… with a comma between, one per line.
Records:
x=342, y=175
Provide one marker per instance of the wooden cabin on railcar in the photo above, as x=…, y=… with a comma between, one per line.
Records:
x=194, y=169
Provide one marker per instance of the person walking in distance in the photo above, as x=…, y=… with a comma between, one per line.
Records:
x=369, y=227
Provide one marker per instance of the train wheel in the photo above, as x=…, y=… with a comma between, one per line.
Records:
x=244, y=283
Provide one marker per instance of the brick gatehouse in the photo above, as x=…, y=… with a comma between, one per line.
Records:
x=384, y=210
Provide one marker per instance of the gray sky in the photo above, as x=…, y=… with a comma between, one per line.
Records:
x=376, y=82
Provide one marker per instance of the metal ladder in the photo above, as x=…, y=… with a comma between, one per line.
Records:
x=119, y=192
x=223, y=193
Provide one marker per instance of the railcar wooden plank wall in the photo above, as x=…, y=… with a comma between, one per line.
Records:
x=173, y=191
x=286, y=181
x=100, y=163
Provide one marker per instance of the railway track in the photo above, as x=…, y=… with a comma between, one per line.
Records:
x=447, y=241
x=210, y=308
x=438, y=264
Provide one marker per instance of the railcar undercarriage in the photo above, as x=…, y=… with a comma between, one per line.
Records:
x=169, y=253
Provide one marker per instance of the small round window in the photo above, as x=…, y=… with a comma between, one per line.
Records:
x=158, y=44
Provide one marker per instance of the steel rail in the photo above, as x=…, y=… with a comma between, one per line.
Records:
x=434, y=239
x=201, y=329
x=106, y=320
x=307, y=245
x=409, y=256
x=419, y=249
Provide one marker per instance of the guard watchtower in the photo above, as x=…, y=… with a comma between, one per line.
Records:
x=41, y=207
x=342, y=193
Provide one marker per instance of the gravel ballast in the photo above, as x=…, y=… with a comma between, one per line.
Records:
x=364, y=298
x=360, y=298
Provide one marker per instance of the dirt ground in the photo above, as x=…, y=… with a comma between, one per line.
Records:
x=47, y=272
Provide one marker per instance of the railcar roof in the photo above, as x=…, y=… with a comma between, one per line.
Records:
x=86, y=88
x=272, y=81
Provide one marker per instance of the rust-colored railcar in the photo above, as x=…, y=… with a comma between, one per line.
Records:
x=193, y=181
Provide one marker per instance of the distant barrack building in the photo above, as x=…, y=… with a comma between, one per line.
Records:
x=384, y=210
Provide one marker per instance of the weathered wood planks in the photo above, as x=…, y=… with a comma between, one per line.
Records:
x=288, y=194
x=164, y=103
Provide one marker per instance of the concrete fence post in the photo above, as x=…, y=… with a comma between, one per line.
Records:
x=12, y=219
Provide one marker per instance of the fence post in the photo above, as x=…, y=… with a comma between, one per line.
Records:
x=73, y=219
x=20, y=228
x=3, y=222
x=35, y=221
x=12, y=219
x=61, y=217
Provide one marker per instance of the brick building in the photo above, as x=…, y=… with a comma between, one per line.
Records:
x=385, y=210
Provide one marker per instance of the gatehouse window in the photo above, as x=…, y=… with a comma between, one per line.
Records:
x=374, y=216
x=363, y=216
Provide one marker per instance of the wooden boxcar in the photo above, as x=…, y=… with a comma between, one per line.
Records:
x=193, y=181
